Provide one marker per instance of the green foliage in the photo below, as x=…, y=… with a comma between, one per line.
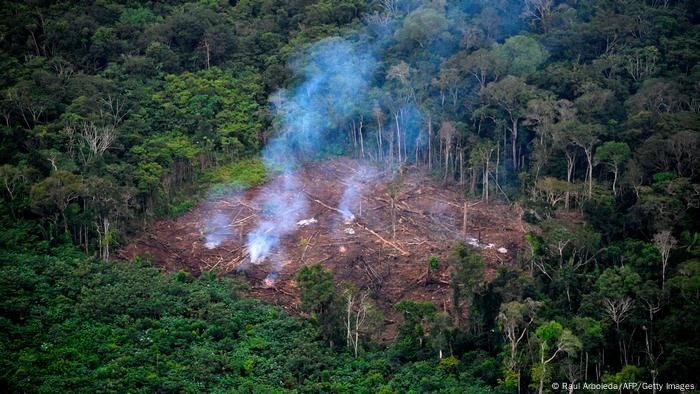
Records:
x=125, y=327
x=535, y=243
x=618, y=282
x=583, y=112
x=612, y=152
x=552, y=339
x=421, y=27
x=183, y=206
x=522, y=54
x=469, y=270
x=661, y=177
x=433, y=262
x=412, y=331
x=628, y=373
x=235, y=176
x=71, y=323
x=317, y=288
x=319, y=298
x=152, y=97
x=549, y=331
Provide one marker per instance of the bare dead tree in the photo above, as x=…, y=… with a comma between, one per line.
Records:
x=359, y=317
x=538, y=10
x=5, y=108
x=52, y=159
x=62, y=68
x=481, y=155
x=97, y=139
x=115, y=109
x=379, y=18
x=641, y=63
x=447, y=132
x=653, y=358
x=573, y=373
x=26, y=105
x=664, y=242
x=390, y=6
x=619, y=310
x=12, y=177
x=684, y=147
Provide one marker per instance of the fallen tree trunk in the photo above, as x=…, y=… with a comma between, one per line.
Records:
x=386, y=242
x=321, y=203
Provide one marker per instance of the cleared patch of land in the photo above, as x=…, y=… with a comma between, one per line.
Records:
x=398, y=223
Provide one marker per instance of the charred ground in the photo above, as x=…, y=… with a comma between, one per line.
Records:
x=428, y=221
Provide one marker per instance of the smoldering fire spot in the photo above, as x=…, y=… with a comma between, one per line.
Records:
x=336, y=78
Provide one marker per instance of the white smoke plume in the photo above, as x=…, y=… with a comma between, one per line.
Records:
x=335, y=75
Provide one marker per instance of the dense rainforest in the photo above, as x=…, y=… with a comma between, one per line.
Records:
x=582, y=114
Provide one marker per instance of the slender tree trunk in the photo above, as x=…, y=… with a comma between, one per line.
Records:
x=354, y=136
x=472, y=181
x=498, y=159
x=663, y=272
x=464, y=220
x=348, y=333
x=447, y=161
x=362, y=141
x=589, y=158
x=405, y=145
x=391, y=146
x=416, y=154
x=398, y=137
x=541, y=389
x=440, y=151
x=380, y=148
x=206, y=46
x=107, y=239
x=430, y=149
x=514, y=139
x=461, y=166
x=65, y=222
x=393, y=219
x=569, y=174
x=486, y=181
x=357, y=339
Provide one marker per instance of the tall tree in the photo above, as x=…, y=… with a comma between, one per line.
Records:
x=613, y=154
x=511, y=95
x=514, y=319
x=664, y=243
x=318, y=297
x=362, y=319
x=466, y=278
x=552, y=339
x=56, y=192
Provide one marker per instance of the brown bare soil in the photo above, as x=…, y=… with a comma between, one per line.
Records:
x=364, y=251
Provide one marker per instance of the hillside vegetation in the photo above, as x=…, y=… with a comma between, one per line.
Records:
x=582, y=115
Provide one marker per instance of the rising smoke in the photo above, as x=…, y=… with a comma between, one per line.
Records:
x=351, y=199
x=335, y=76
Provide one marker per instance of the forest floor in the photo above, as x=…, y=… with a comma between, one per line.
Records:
x=363, y=250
